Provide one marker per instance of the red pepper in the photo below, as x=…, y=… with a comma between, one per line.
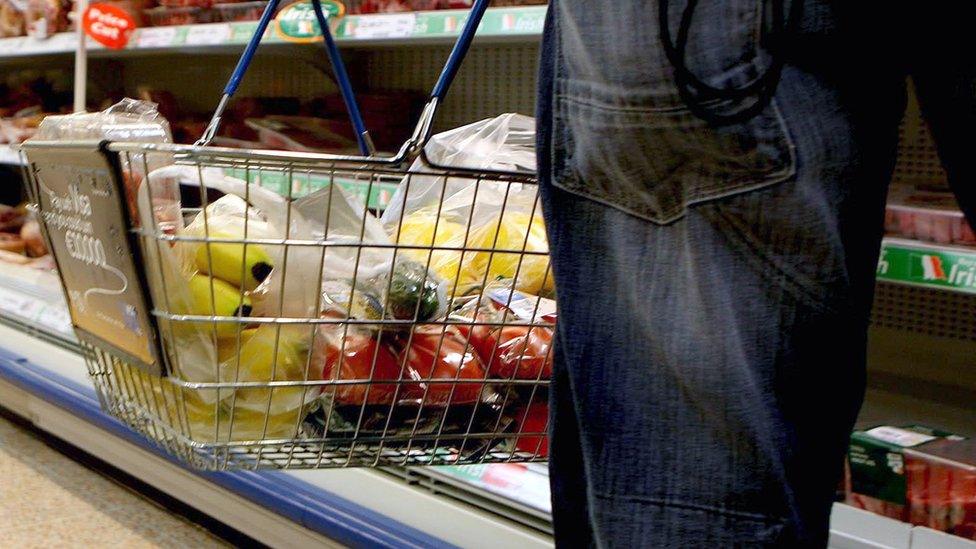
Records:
x=521, y=352
x=438, y=353
x=533, y=419
x=357, y=362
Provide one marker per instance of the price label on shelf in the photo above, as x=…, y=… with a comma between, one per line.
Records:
x=156, y=37
x=207, y=35
x=393, y=25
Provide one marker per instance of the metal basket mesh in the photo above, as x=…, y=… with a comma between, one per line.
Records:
x=366, y=372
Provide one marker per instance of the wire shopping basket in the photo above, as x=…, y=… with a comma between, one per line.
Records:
x=296, y=329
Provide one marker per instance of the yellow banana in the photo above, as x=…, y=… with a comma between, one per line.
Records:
x=223, y=300
x=228, y=261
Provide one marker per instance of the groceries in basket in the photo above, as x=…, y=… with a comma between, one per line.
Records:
x=511, y=331
x=470, y=230
x=308, y=319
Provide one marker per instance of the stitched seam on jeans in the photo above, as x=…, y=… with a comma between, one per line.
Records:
x=731, y=513
x=624, y=109
x=755, y=248
x=622, y=203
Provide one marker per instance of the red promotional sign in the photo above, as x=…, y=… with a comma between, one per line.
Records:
x=109, y=25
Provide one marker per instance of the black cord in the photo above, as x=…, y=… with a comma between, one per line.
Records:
x=699, y=96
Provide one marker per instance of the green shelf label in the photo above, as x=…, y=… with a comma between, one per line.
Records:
x=935, y=267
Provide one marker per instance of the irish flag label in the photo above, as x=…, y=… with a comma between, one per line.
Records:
x=915, y=263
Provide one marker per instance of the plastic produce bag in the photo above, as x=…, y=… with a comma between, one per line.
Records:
x=129, y=120
x=519, y=349
x=451, y=213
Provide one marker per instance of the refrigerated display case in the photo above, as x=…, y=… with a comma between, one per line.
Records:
x=923, y=334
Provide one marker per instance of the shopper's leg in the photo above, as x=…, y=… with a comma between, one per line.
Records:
x=944, y=73
x=948, y=101
x=568, y=478
x=716, y=361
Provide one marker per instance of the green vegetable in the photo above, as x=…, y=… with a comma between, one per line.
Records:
x=414, y=292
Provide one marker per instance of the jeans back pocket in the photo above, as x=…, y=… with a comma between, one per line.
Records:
x=621, y=134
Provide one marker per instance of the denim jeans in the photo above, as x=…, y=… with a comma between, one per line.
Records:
x=714, y=283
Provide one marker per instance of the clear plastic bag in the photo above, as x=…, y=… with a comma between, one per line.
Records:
x=129, y=120
x=240, y=257
x=498, y=225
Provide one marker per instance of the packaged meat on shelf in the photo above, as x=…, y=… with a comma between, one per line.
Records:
x=929, y=214
x=26, y=97
x=35, y=18
x=915, y=474
x=392, y=6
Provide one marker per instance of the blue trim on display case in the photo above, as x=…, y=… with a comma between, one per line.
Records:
x=313, y=507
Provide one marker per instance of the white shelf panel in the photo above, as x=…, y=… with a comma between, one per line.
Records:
x=25, y=46
x=9, y=157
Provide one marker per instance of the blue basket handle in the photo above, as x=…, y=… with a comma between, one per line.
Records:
x=460, y=49
x=342, y=77
x=421, y=134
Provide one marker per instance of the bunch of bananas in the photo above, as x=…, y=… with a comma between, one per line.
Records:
x=509, y=235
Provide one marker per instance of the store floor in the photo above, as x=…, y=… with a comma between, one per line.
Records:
x=48, y=499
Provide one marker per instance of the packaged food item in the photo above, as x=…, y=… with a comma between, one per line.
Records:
x=530, y=419
x=519, y=250
x=185, y=3
x=363, y=360
x=11, y=19
x=941, y=478
x=190, y=15
x=880, y=479
x=927, y=214
x=10, y=242
x=22, y=125
x=12, y=217
x=478, y=231
x=379, y=6
x=274, y=353
x=46, y=17
x=502, y=326
x=445, y=367
x=240, y=11
x=214, y=421
x=30, y=233
x=409, y=293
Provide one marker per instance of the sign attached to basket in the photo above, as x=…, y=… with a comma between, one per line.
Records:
x=81, y=202
x=297, y=22
x=108, y=25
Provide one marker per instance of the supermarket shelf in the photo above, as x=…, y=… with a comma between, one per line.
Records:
x=49, y=386
x=928, y=265
x=33, y=300
x=852, y=528
x=26, y=46
x=434, y=27
x=9, y=157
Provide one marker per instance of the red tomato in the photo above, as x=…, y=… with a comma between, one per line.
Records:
x=533, y=419
x=478, y=337
x=520, y=351
x=437, y=354
x=356, y=364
